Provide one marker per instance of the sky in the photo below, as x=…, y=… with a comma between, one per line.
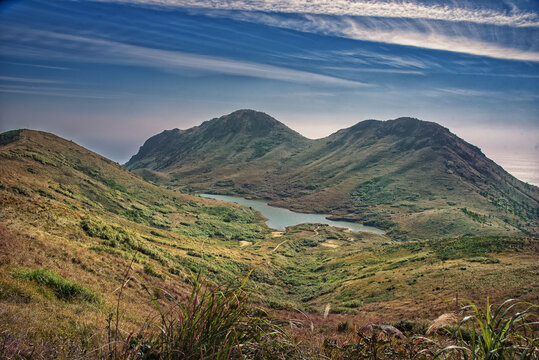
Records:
x=108, y=74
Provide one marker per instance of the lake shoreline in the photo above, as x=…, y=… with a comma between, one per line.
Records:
x=279, y=218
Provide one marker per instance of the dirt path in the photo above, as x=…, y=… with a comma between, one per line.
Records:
x=282, y=242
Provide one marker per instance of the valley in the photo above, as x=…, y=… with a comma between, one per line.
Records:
x=280, y=218
x=73, y=222
x=269, y=180
x=411, y=178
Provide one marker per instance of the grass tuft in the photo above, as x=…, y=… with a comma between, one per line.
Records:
x=216, y=323
x=504, y=332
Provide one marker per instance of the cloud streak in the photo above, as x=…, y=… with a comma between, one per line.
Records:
x=55, y=92
x=445, y=36
x=390, y=9
x=477, y=31
x=28, y=80
x=121, y=53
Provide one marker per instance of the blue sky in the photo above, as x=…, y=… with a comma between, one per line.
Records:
x=108, y=74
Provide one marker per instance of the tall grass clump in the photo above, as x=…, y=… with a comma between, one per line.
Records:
x=508, y=331
x=216, y=323
x=62, y=288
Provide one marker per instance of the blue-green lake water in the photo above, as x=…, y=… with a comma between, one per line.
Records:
x=280, y=218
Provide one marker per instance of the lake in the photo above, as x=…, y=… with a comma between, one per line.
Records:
x=280, y=218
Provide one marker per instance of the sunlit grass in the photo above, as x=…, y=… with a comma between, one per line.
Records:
x=508, y=331
x=212, y=323
x=63, y=289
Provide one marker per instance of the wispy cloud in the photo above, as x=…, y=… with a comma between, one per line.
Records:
x=28, y=80
x=48, y=67
x=395, y=61
x=60, y=92
x=446, y=36
x=122, y=53
x=391, y=9
x=437, y=41
x=374, y=70
x=478, y=30
x=465, y=92
x=494, y=95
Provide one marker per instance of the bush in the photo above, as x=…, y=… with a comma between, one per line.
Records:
x=343, y=326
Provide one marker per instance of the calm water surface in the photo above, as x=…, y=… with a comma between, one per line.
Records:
x=280, y=218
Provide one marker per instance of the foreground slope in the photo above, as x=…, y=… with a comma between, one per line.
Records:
x=71, y=221
x=411, y=177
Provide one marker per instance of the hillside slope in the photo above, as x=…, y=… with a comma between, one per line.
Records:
x=71, y=222
x=411, y=177
x=235, y=142
x=68, y=213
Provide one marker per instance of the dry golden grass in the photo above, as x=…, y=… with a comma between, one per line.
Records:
x=365, y=278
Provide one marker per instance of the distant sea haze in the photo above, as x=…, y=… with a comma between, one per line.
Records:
x=524, y=167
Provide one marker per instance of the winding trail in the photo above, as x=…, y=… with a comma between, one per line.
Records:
x=282, y=242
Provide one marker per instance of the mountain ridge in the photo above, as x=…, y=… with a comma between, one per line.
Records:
x=221, y=130
x=398, y=174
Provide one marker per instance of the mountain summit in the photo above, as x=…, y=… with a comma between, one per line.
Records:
x=413, y=178
x=242, y=136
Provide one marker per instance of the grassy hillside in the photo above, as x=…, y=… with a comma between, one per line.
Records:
x=410, y=177
x=73, y=221
x=82, y=217
x=235, y=142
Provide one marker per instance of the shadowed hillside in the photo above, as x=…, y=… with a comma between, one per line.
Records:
x=411, y=177
x=235, y=142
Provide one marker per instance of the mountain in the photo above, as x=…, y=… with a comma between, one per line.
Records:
x=244, y=139
x=74, y=226
x=411, y=177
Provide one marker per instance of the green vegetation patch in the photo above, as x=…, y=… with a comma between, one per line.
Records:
x=115, y=237
x=473, y=246
x=133, y=215
x=94, y=173
x=63, y=289
x=104, y=231
x=230, y=214
x=476, y=247
x=9, y=137
x=150, y=270
x=113, y=185
x=14, y=294
x=475, y=216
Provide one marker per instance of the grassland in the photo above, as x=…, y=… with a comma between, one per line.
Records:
x=72, y=222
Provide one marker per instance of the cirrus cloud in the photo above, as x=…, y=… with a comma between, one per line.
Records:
x=480, y=30
x=397, y=9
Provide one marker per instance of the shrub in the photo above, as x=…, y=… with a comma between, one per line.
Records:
x=133, y=215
